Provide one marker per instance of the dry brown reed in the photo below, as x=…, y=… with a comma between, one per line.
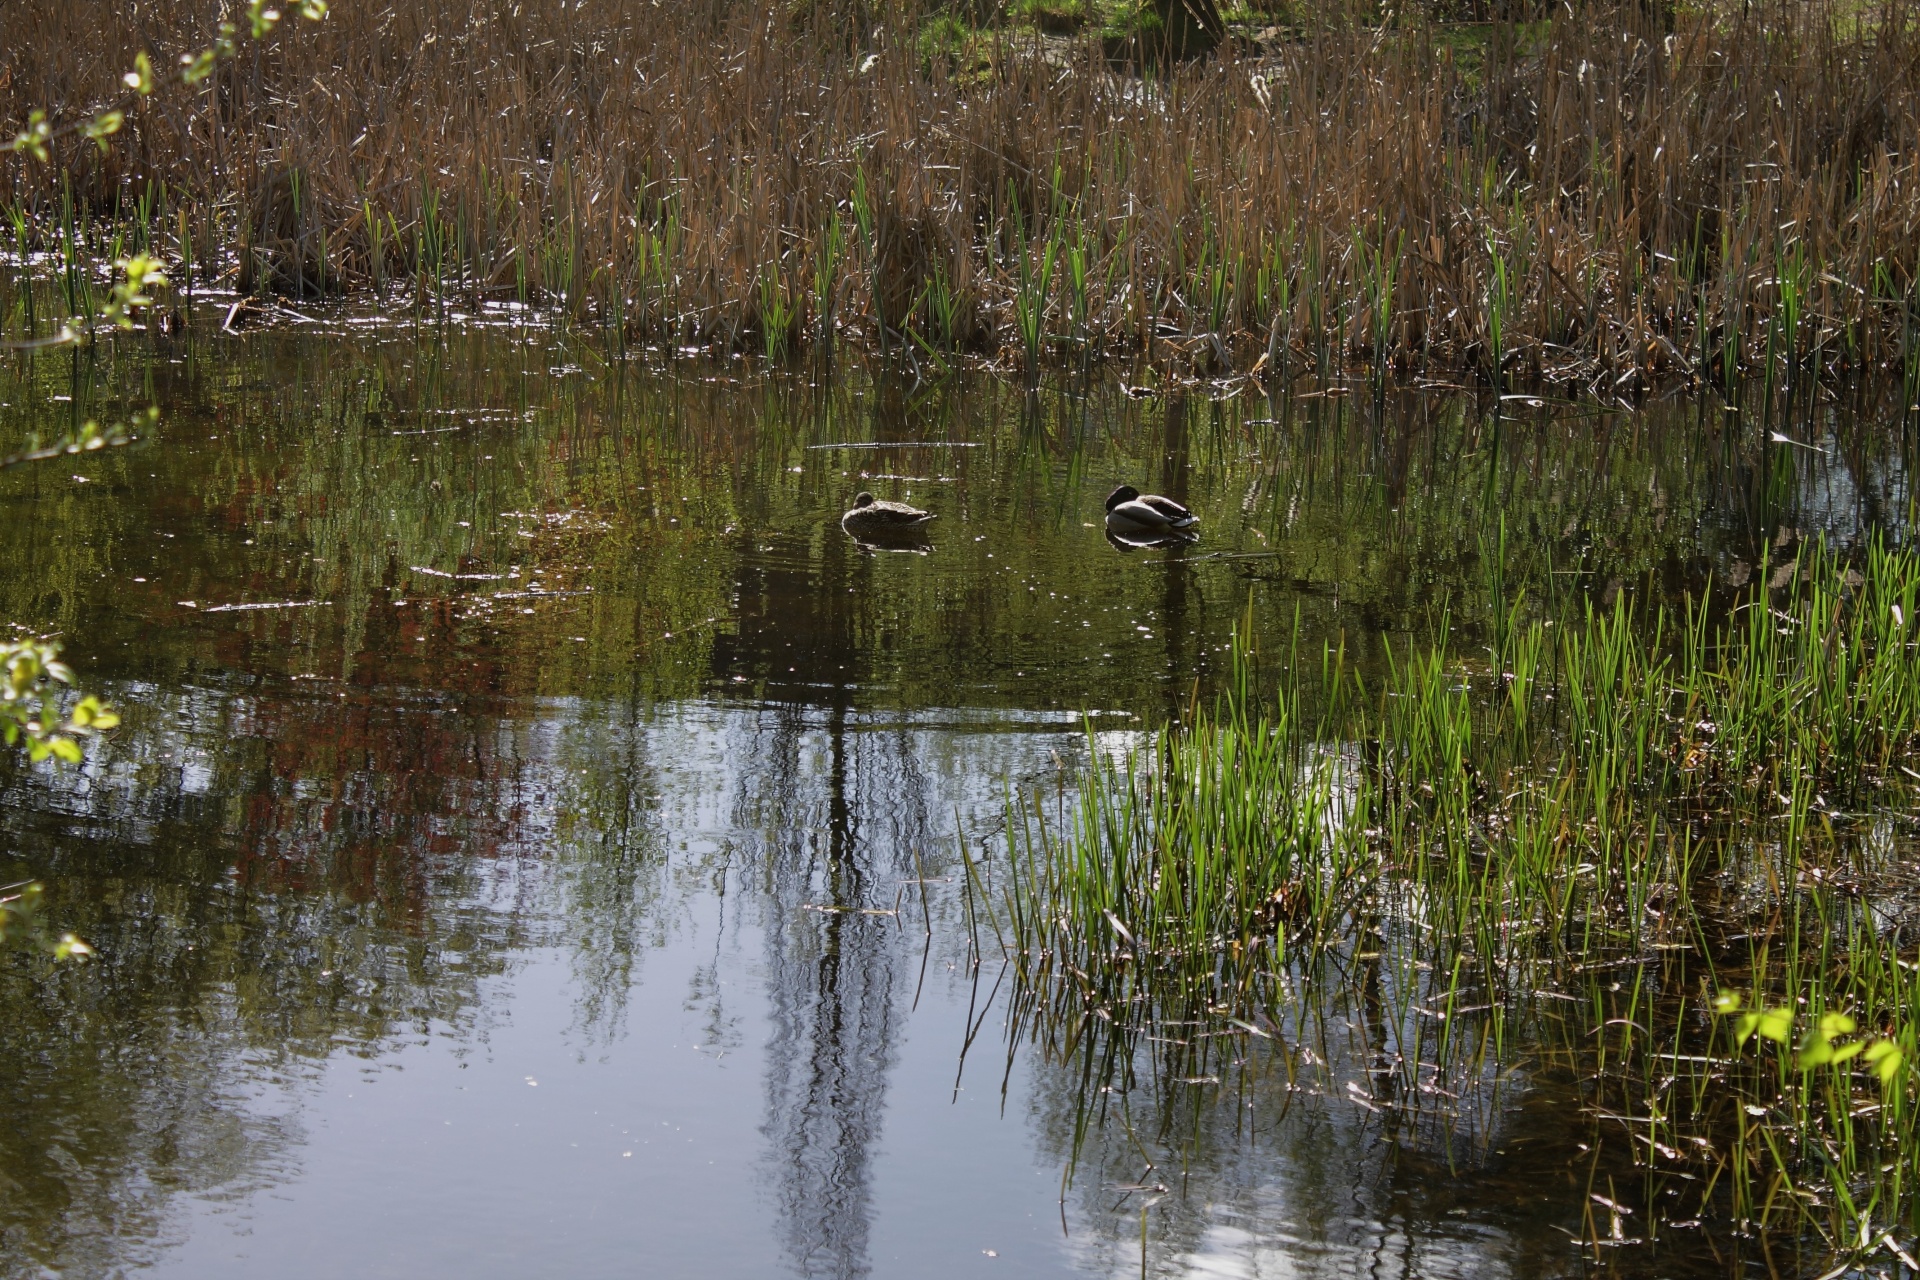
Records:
x=1617, y=194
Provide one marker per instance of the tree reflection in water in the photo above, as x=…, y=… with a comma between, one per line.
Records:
x=840, y=803
x=834, y=987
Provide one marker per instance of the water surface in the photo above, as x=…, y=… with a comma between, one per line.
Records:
x=533, y=844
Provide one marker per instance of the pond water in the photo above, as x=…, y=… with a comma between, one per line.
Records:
x=533, y=842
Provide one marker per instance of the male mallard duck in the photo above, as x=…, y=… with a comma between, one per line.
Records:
x=1128, y=508
x=871, y=516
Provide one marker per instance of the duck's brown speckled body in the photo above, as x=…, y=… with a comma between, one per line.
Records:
x=871, y=516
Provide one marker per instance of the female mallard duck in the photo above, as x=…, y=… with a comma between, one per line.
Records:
x=870, y=516
x=1128, y=508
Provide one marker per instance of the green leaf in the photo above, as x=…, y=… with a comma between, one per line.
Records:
x=1727, y=1002
x=1837, y=1024
x=196, y=67
x=1815, y=1051
x=140, y=79
x=262, y=18
x=103, y=126
x=1777, y=1024
x=34, y=138
x=66, y=748
x=1885, y=1057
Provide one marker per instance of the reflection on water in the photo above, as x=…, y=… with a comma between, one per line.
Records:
x=515, y=855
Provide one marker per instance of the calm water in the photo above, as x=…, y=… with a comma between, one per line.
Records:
x=512, y=860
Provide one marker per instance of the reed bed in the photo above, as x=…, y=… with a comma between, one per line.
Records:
x=1658, y=857
x=1616, y=194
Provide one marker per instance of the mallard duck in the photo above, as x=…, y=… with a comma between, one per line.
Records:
x=1128, y=508
x=870, y=516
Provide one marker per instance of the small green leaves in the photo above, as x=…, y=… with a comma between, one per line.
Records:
x=63, y=749
x=37, y=138
x=196, y=67
x=102, y=127
x=1817, y=1047
x=91, y=713
x=34, y=138
x=20, y=923
x=138, y=275
x=261, y=18
x=31, y=676
x=1823, y=1045
x=1885, y=1057
x=90, y=438
x=1815, y=1051
x=1774, y=1024
x=18, y=910
x=32, y=680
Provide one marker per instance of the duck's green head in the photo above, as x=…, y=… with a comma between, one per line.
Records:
x=1125, y=493
x=862, y=499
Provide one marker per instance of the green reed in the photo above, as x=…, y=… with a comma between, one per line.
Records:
x=1572, y=842
x=943, y=310
x=826, y=275
x=777, y=313
x=1034, y=265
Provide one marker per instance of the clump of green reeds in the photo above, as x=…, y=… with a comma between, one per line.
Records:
x=1632, y=194
x=1567, y=844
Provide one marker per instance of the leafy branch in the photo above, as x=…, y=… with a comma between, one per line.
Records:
x=33, y=685
x=140, y=276
x=90, y=438
x=1826, y=1044
x=20, y=922
x=32, y=682
x=38, y=137
x=37, y=713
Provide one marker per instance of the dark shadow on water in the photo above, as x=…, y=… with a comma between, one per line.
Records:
x=1130, y=540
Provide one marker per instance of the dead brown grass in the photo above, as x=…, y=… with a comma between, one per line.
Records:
x=1625, y=196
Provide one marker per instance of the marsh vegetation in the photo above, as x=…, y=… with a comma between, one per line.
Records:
x=1618, y=195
